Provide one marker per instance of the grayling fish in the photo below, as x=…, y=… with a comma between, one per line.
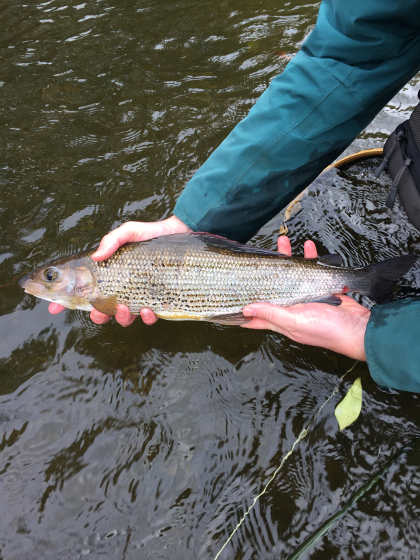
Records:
x=204, y=277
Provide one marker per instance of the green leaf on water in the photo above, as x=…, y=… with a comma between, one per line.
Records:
x=347, y=411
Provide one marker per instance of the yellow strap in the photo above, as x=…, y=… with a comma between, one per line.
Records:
x=363, y=154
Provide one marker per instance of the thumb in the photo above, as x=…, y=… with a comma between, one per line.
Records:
x=114, y=239
x=267, y=311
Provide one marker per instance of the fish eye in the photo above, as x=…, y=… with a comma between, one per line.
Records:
x=51, y=274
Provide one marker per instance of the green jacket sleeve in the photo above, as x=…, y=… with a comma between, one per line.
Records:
x=357, y=57
x=392, y=344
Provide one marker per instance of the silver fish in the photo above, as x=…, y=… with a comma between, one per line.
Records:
x=204, y=277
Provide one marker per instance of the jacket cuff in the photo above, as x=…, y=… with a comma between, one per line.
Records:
x=392, y=344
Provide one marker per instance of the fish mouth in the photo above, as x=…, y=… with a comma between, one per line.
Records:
x=23, y=282
x=31, y=286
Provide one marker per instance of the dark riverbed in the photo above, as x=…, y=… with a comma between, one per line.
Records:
x=151, y=442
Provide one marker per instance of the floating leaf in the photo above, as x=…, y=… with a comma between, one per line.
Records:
x=347, y=411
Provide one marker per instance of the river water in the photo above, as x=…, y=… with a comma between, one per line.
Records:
x=152, y=442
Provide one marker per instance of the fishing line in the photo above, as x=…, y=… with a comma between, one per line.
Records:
x=350, y=503
x=303, y=433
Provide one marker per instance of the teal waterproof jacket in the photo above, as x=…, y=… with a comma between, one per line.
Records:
x=358, y=56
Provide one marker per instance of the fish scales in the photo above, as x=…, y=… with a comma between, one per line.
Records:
x=203, y=277
x=207, y=280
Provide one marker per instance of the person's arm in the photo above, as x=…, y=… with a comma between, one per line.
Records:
x=356, y=58
x=392, y=344
x=387, y=337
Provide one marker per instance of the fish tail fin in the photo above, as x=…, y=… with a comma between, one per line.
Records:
x=383, y=276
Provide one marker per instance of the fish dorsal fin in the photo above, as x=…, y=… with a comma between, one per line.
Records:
x=107, y=305
x=223, y=243
x=209, y=241
x=331, y=260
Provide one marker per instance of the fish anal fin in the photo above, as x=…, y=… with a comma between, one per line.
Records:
x=330, y=300
x=107, y=305
x=229, y=319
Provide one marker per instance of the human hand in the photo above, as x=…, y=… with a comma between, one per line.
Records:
x=128, y=232
x=341, y=329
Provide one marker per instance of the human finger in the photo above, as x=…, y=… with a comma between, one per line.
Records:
x=99, y=318
x=283, y=245
x=123, y=316
x=258, y=324
x=55, y=308
x=309, y=249
x=128, y=232
x=274, y=314
x=147, y=316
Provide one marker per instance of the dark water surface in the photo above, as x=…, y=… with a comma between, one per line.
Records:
x=152, y=442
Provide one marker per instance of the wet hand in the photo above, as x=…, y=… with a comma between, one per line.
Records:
x=128, y=232
x=341, y=329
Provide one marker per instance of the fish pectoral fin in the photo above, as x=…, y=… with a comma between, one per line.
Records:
x=107, y=305
x=331, y=300
x=229, y=319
